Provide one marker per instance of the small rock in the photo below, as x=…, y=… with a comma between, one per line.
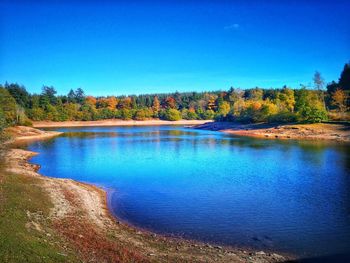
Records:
x=260, y=253
x=277, y=256
x=218, y=247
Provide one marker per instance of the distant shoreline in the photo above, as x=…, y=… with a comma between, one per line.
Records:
x=113, y=122
x=316, y=131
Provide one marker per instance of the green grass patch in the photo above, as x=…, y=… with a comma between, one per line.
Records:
x=25, y=232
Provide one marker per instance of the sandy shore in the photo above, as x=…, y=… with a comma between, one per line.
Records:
x=80, y=215
x=317, y=131
x=23, y=133
x=113, y=122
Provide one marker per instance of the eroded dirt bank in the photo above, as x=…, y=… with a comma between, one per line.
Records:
x=80, y=216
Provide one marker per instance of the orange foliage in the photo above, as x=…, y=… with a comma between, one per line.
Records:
x=90, y=100
x=170, y=102
x=192, y=110
x=125, y=103
x=112, y=102
x=156, y=104
x=256, y=105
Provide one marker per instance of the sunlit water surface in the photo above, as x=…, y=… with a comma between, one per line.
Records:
x=281, y=195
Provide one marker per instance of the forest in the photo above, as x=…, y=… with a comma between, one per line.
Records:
x=314, y=103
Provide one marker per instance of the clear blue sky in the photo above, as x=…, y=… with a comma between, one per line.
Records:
x=111, y=47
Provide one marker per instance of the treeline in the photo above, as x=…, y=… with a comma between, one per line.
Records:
x=305, y=104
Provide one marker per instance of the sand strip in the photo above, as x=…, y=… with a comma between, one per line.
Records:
x=113, y=122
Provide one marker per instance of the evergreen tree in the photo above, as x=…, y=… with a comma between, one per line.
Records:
x=344, y=81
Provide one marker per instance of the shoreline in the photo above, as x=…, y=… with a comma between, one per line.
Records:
x=316, y=131
x=114, y=122
x=26, y=134
x=77, y=205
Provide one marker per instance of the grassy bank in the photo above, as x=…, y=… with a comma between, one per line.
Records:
x=26, y=234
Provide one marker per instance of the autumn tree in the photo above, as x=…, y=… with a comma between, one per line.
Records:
x=224, y=108
x=210, y=102
x=254, y=94
x=170, y=103
x=125, y=103
x=90, y=100
x=286, y=99
x=101, y=103
x=112, y=102
x=156, y=106
x=339, y=98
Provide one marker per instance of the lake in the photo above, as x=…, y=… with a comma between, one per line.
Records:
x=275, y=195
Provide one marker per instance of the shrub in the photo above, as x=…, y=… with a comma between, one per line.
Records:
x=189, y=114
x=312, y=114
x=284, y=116
x=171, y=115
x=140, y=115
x=317, y=115
x=208, y=115
x=126, y=114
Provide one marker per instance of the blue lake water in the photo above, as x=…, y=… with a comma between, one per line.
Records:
x=267, y=194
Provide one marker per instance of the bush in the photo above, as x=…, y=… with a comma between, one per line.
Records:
x=189, y=114
x=126, y=114
x=36, y=114
x=312, y=115
x=284, y=116
x=8, y=107
x=171, y=115
x=208, y=115
x=143, y=114
x=317, y=115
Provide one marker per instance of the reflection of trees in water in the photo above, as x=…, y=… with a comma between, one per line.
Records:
x=321, y=152
x=315, y=152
